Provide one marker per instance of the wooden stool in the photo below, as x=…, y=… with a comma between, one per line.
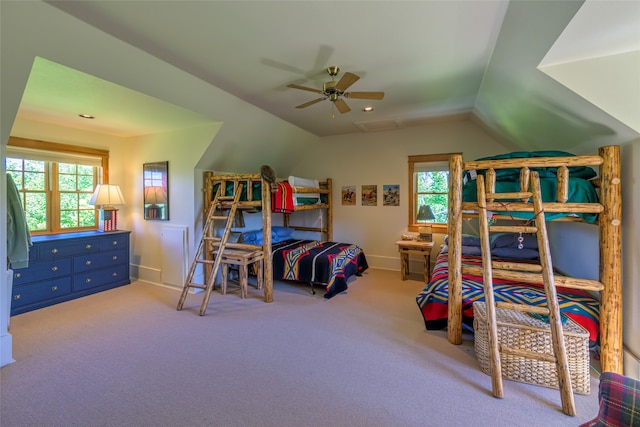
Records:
x=241, y=259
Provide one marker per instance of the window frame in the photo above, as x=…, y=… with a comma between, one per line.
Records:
x=413, y=225
x=51, y=176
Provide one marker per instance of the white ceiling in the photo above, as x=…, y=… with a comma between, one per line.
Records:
x=431, y=58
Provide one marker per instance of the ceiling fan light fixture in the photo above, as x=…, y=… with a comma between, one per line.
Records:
x=368, y=109
x=335, y=91
x=86, y=116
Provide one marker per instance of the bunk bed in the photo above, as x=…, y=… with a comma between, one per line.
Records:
x=322, y=261
x=457, y=280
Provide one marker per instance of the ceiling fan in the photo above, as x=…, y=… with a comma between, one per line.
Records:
x=334, y=91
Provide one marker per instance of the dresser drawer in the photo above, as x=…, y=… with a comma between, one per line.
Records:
x=99, y=260
x=62, y=249
x=96, y=278
x=113, y=242
x=41, y=270
x=41, y=291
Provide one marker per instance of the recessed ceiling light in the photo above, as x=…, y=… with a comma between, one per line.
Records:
x=367, y=109
x=86, y=116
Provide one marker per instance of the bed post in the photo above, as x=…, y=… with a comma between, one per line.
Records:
x=455, y=250
x=266, y=245
x=207, y=194
x=611, y=260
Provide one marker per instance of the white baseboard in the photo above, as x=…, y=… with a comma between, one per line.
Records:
x=393, y=263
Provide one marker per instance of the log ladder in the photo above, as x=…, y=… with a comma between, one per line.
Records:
x=220, y=204
x=534, y=273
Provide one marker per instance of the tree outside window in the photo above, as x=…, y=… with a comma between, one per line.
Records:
x=55, y=182
x=429, y=183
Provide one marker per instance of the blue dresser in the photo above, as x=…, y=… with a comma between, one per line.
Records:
x=68, y=266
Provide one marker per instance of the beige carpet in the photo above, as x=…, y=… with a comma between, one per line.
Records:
x=126, y=357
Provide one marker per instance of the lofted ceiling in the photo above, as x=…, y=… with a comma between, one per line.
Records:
x=433, y=59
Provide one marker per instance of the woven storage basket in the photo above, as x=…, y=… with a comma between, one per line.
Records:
x=521, y=331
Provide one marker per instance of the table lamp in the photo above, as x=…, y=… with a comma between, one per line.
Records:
x=105, y=197
x=425, y=214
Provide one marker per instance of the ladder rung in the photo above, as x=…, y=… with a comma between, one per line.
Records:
x=523, y=308
x=196, y=285
x=520, y=276
x=512, y=265
x=502, y=196
x=218, y=217
x=225, y=198
x=513, y=229
x=528, y=354
x=204, y=261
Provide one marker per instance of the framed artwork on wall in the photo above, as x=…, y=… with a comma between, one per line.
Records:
x=391, y=195
x=155, y=177
x=349, y=195
x=369, y=195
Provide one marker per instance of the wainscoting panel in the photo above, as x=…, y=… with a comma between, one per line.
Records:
x=174, y=254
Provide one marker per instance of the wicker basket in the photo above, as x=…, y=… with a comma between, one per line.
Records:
x=521, y=331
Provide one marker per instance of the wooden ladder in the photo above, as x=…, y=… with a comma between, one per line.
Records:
x=534, y=273
x=209, y=241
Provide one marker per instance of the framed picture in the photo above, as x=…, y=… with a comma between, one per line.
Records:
x=349, y=195
x=155, y=178
x=391, y=195
x=369, y=195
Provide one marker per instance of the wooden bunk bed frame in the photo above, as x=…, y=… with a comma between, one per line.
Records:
x=609, y=210
x=263, y=204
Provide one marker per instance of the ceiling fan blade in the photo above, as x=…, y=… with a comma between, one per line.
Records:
x=306, y=104
x=347, y=80
x=365, y=95
x=341, y=105
x=310, y=89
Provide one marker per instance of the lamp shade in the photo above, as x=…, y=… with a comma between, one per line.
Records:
x=425, y=213
x=106, y=195
x=155, y=195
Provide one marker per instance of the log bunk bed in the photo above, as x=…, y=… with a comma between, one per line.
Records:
x=264, y=193
x=453, y=268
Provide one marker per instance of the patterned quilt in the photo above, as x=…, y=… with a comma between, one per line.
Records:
x=579, y=305
x=311, y=261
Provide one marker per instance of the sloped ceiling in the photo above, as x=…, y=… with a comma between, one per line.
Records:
x=433, y=59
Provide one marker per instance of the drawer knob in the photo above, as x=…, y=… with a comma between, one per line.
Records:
x=88, y=247
x=16, y=297
x=115, y=258
x=88, y=262
x=17, y=275
x=54, y=268
x=54, y=288
x=54, y=251
x=88, y=280
x=115, y=243
x=114, y=274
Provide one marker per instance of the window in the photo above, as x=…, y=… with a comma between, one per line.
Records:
x=56, y=182
x=429, y=196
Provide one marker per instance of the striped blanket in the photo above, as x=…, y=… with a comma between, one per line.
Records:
x=311, y=261
x=580, y=306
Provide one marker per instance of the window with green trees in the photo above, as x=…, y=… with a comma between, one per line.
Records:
x=56, y=184
x=429, y=183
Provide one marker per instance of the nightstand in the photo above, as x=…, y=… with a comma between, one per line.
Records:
x=406, y=247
